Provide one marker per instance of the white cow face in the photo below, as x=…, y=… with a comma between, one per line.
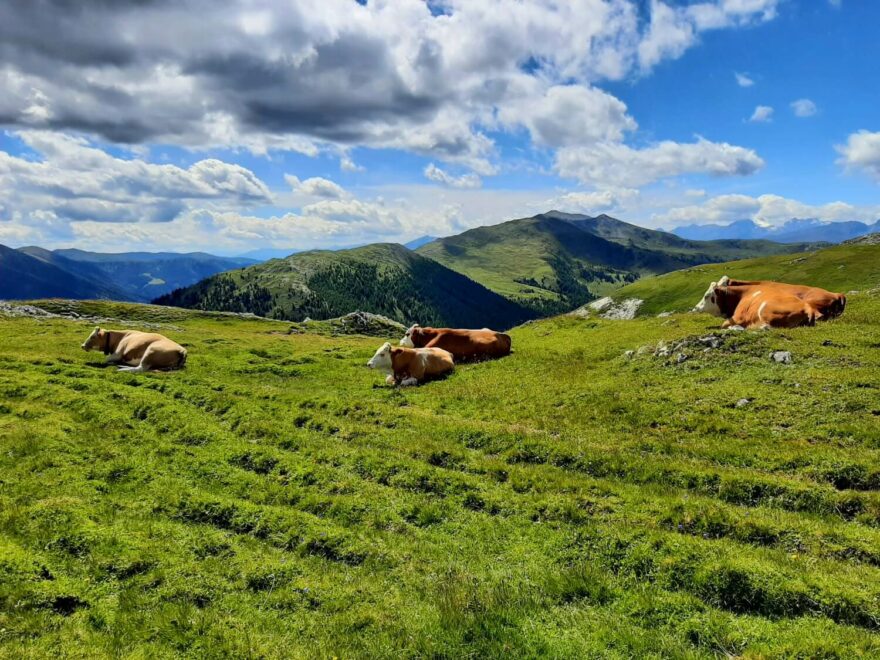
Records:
x=407, y=338
x=709, y=303
x=382, y=359
x=94, y=341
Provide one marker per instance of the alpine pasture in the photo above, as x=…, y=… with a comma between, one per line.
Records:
x=276, y=499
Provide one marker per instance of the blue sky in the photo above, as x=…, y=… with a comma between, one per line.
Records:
x=296, y=125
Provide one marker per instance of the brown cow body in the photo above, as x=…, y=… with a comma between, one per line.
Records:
x=829, y=304
x=463, y=344
x=137, y=351
x=411, y=366
x=766, y=304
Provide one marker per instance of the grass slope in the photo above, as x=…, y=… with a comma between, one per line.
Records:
x=556, y=261
x=274, y=500
x=383, y=278
x=841, y=268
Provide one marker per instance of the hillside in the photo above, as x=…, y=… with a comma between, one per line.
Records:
x=127, y=276
x=24, y=276
x=556, y=261
x=147, y=275
x=274, y=499
x=384, y=279
x=841, y=268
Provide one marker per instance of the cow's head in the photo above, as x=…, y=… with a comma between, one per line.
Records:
x=709, y=303
x=96, y=340
x=382, y=359
x=407, y=340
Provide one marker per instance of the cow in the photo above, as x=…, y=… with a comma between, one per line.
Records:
x=759, y=306
x=830, y=304
x=136, y=351
x=411, y=366
x=463, y=344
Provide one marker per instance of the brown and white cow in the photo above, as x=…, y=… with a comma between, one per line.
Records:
x=411, y=366
x=138, y=351
x=757, y=306
x=830, y=304
x=463, y=344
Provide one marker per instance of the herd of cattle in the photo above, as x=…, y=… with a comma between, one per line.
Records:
x=426, y=353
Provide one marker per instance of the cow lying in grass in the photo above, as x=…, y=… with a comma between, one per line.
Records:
x=831, y=305
x=411, y=366
x=463, y=344
x=138, y=351
x=765, y=304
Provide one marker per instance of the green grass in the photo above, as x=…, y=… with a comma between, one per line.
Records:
x=842, y=268
x=275, y=499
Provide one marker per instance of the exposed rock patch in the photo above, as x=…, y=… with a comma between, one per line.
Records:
x=607, y=308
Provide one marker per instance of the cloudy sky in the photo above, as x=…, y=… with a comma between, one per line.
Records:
x=178, y=124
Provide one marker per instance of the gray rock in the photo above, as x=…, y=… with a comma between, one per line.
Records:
x=681, y=357
x=608, y=309
x=743, y=403
x=663, y=315
x=644, y=350
x=782, y=357
x=629, y=355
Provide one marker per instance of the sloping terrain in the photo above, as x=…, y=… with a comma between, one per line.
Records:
x=24, y=276
x=383, y=279
x=131, y=276
x=843, y=268
x=556, y=261
x=147, y=275
x=274, y=499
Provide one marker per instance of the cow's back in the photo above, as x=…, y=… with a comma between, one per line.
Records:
x=466, y=344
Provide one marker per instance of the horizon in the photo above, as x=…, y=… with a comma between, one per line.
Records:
x=327, y=130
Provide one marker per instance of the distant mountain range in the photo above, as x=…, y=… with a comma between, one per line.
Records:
x=34, y=272
x=383, y=278
x=793, y=231
x=556, y=261
x=495, y=276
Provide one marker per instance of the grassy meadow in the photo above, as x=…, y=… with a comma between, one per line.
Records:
x=276, y=499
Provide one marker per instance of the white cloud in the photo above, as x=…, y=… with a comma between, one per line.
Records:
x=569, y=115
x=762, y=113
x=764, y=209
x=621, y=165
x=592, y=202
x=316, y=187
x=72, y=180
x=291, y=76
x=804, y=108
x=434, y=173
x=743, y=80
x=695, y=192
x=861, y=152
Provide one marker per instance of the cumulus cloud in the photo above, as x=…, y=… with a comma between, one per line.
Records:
x=436, y=174
x=762, y=114
x=592, y=202
x=764, y=209
x=621, y=165
x=804, y=108
x=316, y=187
x=743, y=80
x=71, y=180
x=291, y=76
x=862, y=152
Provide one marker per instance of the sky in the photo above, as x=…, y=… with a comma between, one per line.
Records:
x=295, y=124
